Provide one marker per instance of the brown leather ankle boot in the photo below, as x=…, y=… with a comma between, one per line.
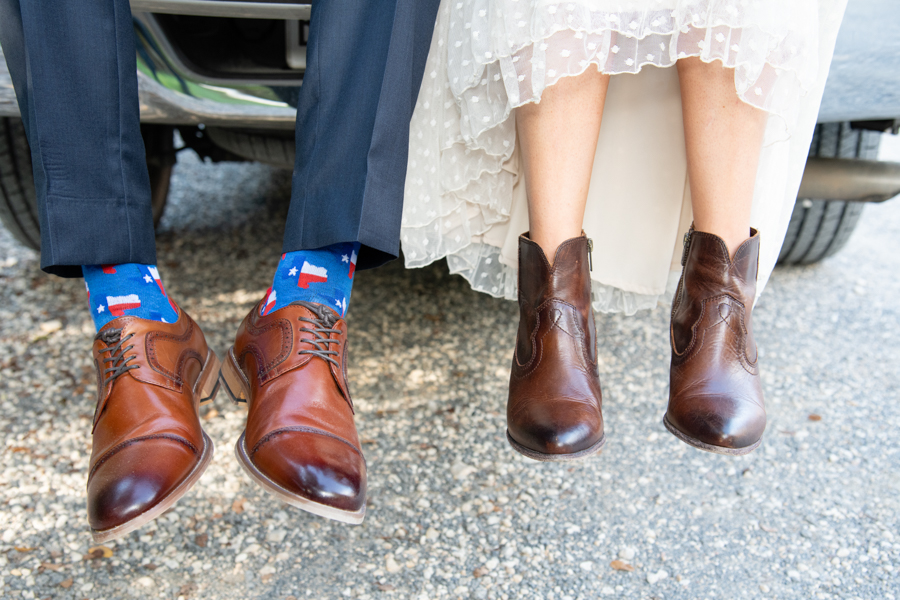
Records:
x=715, y=396
x=553, y=412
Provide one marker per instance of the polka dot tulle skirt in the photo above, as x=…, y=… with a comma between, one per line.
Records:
x=464, y=198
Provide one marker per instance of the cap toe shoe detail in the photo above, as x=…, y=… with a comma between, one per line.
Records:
x=126, y=485
x=315, y=465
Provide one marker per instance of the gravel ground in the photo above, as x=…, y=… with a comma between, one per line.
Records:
x=453, y=511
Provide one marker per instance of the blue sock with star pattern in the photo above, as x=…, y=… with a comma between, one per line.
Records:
x=128, y=289
x=323, y=276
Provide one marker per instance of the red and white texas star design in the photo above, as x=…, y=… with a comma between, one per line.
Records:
x=119, y=304
x=352, y=264
x=341, y=306
x=154, y=276
x=270, y=302
x=311, y=274
x=154, y=273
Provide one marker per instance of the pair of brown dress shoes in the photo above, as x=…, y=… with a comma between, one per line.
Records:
x=300, y=442
x=715, y=397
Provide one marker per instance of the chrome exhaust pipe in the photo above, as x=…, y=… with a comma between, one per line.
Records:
x=850, y=180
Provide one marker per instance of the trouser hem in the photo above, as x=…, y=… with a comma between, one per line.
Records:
x=77, y=232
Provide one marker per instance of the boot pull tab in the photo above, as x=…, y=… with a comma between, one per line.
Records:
x=687, y=245
x=590, y=251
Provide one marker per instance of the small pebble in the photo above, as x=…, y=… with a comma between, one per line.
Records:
x=658, y=576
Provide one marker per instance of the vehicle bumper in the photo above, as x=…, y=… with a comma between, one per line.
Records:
x=171, y=92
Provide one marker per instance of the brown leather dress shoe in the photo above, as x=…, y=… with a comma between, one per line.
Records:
x=553, y=412
x=300, y=444
x=149, y=448
x=715, y=397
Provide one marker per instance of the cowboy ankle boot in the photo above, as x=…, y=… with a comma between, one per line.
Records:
x=715, y=396
x=553, y=411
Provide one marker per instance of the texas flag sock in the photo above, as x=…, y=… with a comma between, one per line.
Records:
x=323, y=276
x=128, y=289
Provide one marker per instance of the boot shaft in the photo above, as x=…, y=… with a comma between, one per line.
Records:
x=709, y=270
x=568, y=279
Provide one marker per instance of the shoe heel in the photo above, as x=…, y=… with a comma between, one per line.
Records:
x=208, y=383
x=233, y=381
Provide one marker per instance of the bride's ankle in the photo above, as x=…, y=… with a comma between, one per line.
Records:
x=551, y=241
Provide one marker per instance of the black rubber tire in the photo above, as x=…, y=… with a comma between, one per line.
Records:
x=274, y=148
x=18, y=201
x=819, y=228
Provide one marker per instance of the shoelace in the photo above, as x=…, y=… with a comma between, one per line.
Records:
x=322, y=324
x=116, y=353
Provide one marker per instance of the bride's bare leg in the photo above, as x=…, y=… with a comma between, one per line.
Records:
x=558, y=140
x=723, y=136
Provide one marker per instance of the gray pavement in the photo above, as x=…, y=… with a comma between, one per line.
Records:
x=453, y=512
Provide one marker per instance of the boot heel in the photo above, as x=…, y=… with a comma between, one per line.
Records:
x=233, y=381
x=208, y=383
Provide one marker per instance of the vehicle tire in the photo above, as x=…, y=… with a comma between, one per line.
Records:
x=18, y=201
x=820, y=228
x=276, y=148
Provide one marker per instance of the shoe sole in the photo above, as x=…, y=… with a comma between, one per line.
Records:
x=205, y=390
x=543, y=457
x=708, y=447
x=236, y=385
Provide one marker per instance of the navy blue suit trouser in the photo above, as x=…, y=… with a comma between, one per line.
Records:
x=74, y=70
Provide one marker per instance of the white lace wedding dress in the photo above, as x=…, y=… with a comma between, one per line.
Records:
x=464, y=197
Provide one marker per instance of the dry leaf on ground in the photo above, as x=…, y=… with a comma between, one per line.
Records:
x=98, y=552
x=619, y=565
